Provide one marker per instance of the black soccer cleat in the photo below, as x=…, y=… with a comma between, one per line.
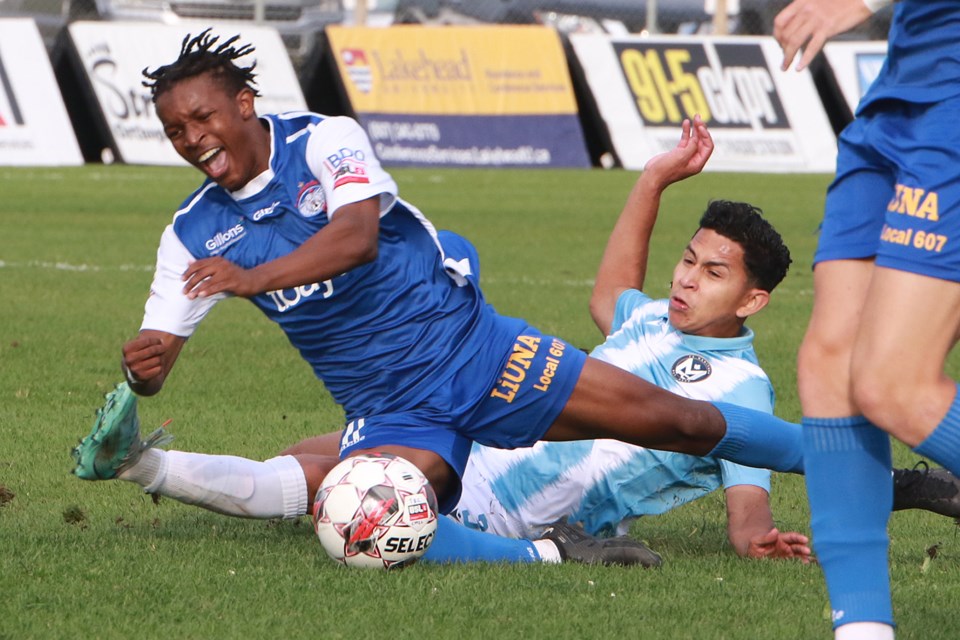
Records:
x=935, y=490
x=576, y=545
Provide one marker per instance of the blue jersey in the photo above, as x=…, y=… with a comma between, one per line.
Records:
x=923, y=56
x=604, y=484
x=383, y=336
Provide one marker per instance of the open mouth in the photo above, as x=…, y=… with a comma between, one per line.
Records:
x=213, y=162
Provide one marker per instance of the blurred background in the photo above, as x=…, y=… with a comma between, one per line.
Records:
x=301, y=22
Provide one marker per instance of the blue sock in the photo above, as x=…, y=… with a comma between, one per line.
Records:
x=457, y=543
x=851, y=494
x=943, y=445
x=758, y=439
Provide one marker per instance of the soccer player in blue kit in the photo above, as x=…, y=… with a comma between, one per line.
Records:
x=297, y=215
x=886, y=310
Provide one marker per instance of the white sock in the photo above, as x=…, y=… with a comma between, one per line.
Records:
x=864, y=631
x=275, y=488
x=548, y=551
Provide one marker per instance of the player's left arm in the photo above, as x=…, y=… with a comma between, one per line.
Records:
x=751, y=530
x=350, y=240
x=624, y=262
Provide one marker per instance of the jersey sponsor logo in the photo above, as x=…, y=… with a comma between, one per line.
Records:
x=552, y=364
x=348, y=166
x=358, y=69
x=920, y=239
x=286, y=299
x=515, y=371
x=311, y=200
x=915, y=202
x=224, y=239
x=728, y=85
x=691, y=368
x=266, y=211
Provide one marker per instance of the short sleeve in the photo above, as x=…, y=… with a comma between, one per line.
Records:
x=340, y=155
x=628, y=302
x=168, y=309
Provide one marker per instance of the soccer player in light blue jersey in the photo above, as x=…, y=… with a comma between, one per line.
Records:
x=886, y=310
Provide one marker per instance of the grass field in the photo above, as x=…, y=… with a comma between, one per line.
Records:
x=102, y=560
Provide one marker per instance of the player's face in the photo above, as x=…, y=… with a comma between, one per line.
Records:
x=712, y=292
x=215, y=131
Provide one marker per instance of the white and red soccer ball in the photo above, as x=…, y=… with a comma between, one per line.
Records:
x=375, y=511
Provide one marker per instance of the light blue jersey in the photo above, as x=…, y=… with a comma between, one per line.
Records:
x=605, y=483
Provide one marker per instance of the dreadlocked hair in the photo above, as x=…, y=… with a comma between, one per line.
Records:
x=197, y=56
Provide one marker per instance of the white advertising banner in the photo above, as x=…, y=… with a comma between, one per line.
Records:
x=114, y=54
x=35, y=129
x=762, y=119
x=855, y=65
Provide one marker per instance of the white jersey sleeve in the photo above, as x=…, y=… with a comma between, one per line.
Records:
x=167, y=308
x=340, y=155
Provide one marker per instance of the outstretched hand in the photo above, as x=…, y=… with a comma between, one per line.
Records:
x=775, y=544
x=808, y=24
x=211, y=276
x=686, y=159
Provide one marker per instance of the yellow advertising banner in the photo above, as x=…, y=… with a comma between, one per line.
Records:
x=469, y=70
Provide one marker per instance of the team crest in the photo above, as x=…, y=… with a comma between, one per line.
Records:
x=691, y=368
x=358, y=69
x=311, y=200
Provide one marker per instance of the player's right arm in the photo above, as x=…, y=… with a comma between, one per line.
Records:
x=624, y=262
x=148, y=358
x=169, y=318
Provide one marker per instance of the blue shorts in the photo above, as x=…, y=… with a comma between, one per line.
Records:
x=506, y=402
x=896, y=194
x=536, y=377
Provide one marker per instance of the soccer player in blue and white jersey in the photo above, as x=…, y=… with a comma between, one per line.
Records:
x=297, y=215
x=886, y=309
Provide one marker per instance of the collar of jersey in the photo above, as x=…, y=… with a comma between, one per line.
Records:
x=705, y=343
x=260, y=182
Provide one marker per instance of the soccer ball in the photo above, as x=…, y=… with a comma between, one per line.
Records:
x=375, y=511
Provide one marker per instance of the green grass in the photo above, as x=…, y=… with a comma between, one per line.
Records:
x=104, y=561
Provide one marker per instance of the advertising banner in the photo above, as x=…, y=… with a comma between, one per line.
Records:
x=114, y=54
x=762, y=119
x=855, y=65
x=462, y=96
x=35, y=129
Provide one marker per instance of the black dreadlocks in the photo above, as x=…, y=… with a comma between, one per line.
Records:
x=197, y=56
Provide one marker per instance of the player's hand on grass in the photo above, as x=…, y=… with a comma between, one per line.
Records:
x=808, y=24
x=211, y=276
x=775, y=544
x=686, y=159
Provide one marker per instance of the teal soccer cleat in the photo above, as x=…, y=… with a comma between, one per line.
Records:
x=114, y=442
